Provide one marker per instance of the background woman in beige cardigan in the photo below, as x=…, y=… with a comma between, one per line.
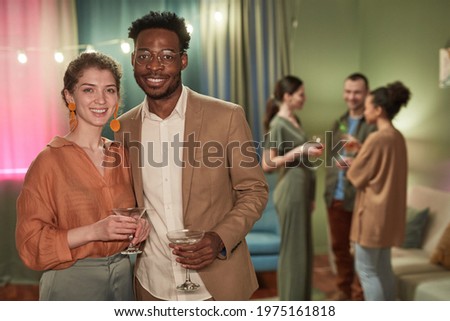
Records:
x=379, y=173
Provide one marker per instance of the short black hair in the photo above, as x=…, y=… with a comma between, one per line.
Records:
x=161, y=20
x=359, y=76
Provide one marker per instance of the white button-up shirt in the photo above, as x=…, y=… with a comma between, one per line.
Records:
x=158, y=272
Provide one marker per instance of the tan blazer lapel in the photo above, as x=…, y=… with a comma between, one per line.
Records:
x=132, y=139
x=192, y=126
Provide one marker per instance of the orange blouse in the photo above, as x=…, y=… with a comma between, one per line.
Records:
x=63, y=190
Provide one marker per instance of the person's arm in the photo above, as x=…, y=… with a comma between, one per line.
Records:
x=364, y=166
x=41, y=240
x=271, y=160
x=40, y=243
x=111, y=228
x=248, y=182
x=251, y=194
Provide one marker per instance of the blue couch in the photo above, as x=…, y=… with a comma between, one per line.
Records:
x=264, y=238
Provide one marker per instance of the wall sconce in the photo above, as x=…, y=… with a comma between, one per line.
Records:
x=125, y=47
x=59, y=56
x=444, y=67
x=22, y=57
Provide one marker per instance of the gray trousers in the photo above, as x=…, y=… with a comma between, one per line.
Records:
x=90, y=279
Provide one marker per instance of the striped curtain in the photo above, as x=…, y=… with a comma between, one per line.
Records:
x=245, y=46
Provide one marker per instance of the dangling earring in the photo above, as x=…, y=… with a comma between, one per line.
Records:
x=115, y=124
x=72, y=118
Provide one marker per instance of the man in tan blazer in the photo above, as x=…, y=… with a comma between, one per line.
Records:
x=194, y=166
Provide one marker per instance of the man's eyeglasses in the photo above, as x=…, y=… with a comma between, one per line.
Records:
x=165, y=57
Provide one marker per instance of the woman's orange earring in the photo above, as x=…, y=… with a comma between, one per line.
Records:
x=72, y=117
x=115, y=124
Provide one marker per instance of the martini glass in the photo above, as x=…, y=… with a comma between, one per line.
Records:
x=186, y=237
x=352, y=145
x=316, y=141
x=136, y=213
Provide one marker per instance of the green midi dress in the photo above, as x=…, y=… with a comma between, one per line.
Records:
x=293, y=197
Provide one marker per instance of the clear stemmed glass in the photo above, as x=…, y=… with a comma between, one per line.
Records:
x=186, y=237
x=136, y=213
x=352, y=145
x=317, y=141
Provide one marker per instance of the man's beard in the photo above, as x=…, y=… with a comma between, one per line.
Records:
x=166, y=94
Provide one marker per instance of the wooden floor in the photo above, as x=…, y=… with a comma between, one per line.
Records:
x=323, y=280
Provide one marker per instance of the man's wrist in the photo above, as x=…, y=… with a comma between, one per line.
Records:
x=221, y=249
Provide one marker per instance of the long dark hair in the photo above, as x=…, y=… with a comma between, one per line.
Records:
x=287, y=84
x=391, y=98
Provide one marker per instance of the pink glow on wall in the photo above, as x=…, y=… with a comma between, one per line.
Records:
x=31, y=108
x=12, y=173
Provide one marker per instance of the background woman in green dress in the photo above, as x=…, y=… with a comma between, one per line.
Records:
x=287, y=150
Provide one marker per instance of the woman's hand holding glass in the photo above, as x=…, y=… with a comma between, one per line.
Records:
x=352, y=144
x=136, y=213
x=114, y=228
x=110, y=228
x=117, y=228
x=314, y=147
x=142, y=231
x=309, y=149
x=351, y=147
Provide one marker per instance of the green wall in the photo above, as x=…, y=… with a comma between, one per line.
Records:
x=387, y=40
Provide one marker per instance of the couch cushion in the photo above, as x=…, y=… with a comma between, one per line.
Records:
x=439, y=204
x=408, y=284
x=412, y=261
x=441, y=255
x=434, y=290
x=263, y=243
x=264, y=263
x=415, y=227
x=269, y=220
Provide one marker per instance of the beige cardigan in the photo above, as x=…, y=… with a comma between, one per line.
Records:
x=379, y=173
